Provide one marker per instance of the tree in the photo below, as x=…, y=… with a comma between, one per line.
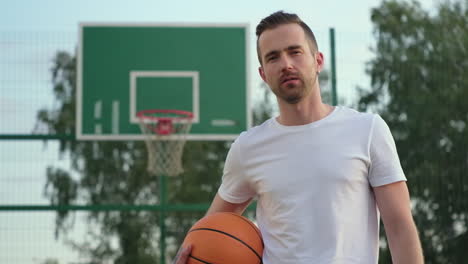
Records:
x=115, y=173
x=419, y=80
x=50, y=261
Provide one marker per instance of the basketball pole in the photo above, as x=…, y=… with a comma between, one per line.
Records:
x=333, y=67
x=162, y=218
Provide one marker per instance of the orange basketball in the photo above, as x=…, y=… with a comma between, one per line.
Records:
x=224, y=238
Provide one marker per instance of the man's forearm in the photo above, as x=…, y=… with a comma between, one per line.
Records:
x=405, y=246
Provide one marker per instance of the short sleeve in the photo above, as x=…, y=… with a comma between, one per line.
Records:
x=235, y=188
x=385, y=167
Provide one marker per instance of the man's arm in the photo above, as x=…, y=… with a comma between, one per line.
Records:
x=220, y=205
x=394, y=206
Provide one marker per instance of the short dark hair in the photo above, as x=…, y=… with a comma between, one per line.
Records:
x=281, y=18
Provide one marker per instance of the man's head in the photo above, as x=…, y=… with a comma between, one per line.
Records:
x=289, y=59
x=281, y=18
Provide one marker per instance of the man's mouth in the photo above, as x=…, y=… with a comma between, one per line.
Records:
x=289, y=79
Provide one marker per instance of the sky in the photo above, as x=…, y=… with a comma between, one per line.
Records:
x=349, y=18
x=63, y=15
x=22, y=164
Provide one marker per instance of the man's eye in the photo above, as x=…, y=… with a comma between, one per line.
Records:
x=272, y=58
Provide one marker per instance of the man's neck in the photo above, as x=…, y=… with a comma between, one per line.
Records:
x=308, y=110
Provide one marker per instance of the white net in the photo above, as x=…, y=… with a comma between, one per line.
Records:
x=165, y=142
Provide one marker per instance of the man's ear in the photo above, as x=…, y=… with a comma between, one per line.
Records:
x=320, y=60
x=262, y=73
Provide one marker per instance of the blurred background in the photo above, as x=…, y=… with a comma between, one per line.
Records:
x=68, y=201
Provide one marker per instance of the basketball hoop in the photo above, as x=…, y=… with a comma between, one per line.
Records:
x=165, y=135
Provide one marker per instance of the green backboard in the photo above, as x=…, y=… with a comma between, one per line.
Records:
x=125, y=68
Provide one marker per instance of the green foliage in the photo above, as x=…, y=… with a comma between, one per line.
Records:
x=50, y=261
x=264, y=108
x=419, y=84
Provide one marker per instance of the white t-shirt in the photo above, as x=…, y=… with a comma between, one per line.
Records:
x=314, y=186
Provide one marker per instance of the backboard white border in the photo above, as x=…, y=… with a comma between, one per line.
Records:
x=113, y=137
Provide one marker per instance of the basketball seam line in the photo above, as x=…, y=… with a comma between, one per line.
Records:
x=200, y=260
x=251, y=225
x=227, y=234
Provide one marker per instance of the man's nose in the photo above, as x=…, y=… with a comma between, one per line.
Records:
x=286, y=63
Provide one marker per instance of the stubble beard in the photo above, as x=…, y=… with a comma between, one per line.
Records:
x=300, y=91
x=293, y=97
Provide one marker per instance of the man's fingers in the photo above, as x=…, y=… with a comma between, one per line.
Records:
x=186, y=252
x=183, y=254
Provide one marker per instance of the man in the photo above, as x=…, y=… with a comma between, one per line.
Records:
x=319, y=172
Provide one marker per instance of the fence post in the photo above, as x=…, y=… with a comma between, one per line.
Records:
x=333, y=67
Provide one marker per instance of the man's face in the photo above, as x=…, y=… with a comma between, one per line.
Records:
x=288, y=65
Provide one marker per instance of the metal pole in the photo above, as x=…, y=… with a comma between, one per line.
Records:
x=162, y=218
x=333, y=67
x=109, y=207
x=70, y=137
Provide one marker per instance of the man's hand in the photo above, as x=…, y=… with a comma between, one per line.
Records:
x=182, y=255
